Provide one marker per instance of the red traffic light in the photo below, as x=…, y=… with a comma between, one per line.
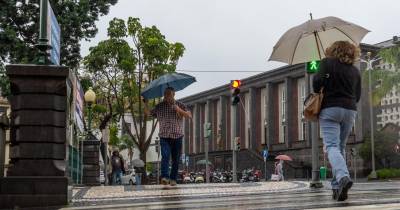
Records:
x=235, y=84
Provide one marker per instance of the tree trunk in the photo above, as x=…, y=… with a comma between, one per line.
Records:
x=143, y=158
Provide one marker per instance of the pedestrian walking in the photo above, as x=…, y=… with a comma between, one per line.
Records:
x=170, y=114
x=117, y=164
x=341, y=83
x=138, y=174
x=279, y=170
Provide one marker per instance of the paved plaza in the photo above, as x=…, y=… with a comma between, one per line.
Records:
x=260, y=195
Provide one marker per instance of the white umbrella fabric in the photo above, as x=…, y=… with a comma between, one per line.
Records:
x=308, y=41
x=138, y=163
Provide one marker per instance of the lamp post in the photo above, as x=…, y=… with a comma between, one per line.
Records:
x=369, y=62
x=90, y=97
x=43, y=45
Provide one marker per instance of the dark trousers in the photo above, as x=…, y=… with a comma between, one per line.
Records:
x=170, y=149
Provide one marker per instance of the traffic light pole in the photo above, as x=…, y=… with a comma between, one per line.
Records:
x=315, y=179
x=206, y=154
x=233, y=128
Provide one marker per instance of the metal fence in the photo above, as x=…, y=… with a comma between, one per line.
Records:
x=75, y=164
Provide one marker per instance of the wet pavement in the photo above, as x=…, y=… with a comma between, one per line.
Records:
x=259, y=195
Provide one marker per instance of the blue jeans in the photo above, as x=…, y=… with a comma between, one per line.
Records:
x=336, y=124
x=138, y=178
x=170, y=149
x=116, y=176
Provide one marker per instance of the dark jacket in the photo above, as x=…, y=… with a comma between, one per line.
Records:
x=341, y=82
x=117, y=163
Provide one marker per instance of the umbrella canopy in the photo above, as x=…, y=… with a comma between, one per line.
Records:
x=138, y=163
x=283, y=157
x=308, y=41
x=156, y=88
x=203, y=162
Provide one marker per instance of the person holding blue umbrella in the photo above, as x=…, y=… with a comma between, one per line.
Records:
x=170, y=114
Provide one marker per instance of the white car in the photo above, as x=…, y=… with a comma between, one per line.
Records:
x=129, y=178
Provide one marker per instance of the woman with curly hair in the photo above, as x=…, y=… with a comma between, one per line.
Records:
x=341, y=83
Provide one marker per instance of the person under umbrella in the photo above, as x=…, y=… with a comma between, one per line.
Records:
x=334, y=42
x=170, y=114
x=341, y=83
x=279, y=166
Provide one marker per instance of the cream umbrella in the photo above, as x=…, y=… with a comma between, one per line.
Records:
x=308, y=41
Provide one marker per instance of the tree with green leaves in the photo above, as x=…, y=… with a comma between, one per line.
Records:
x=384, y=80
x=19, y=30
x=122, y=65
x=121, y=142
x=385, y=152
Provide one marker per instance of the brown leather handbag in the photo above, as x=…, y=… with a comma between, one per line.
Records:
x=312, y=105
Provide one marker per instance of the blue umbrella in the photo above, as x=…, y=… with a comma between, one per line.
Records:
x=156, y=88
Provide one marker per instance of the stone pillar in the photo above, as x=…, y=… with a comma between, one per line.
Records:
x=197, y=127
x=222, y=124
x=291, y=115
x=91, y=165
x=39, y=100
x=208, y=119
x=253, y=118
x=271, y=114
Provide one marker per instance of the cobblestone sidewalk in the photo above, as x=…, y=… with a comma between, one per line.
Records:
x=112, y=193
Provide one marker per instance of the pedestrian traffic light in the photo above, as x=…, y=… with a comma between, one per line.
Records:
x=237, y=141
x=235, y=86
x=313, y=66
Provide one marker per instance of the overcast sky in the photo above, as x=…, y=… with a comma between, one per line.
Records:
x=238, y=35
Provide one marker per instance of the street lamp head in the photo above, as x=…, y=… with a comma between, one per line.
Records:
x=90, y=96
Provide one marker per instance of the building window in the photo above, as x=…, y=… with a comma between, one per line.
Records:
x=301, y=93
x=282, y=112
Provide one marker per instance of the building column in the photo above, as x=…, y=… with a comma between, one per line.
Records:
x=253, y=118
x=291, y=106
x=196, y=122
x=208, y=119
x=222, y=124
x=270, y=114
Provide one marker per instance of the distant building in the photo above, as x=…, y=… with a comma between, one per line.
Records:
x=270, y=116
x=151, y=155
x=5, y=109
x=389, y=110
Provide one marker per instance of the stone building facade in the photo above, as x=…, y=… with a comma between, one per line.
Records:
x=269, y=116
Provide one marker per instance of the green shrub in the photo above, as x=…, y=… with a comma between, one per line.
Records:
x=387, y=173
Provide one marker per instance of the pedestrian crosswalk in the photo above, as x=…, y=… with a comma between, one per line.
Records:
x=300, y=198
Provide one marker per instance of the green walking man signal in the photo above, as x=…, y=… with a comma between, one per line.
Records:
x=313, y=66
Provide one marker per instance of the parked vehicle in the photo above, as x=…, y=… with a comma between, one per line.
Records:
x=199, y=178
x=217, y=177
x=128, y=178
x=250, y=175
x=189, y=178
x=228, y=176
